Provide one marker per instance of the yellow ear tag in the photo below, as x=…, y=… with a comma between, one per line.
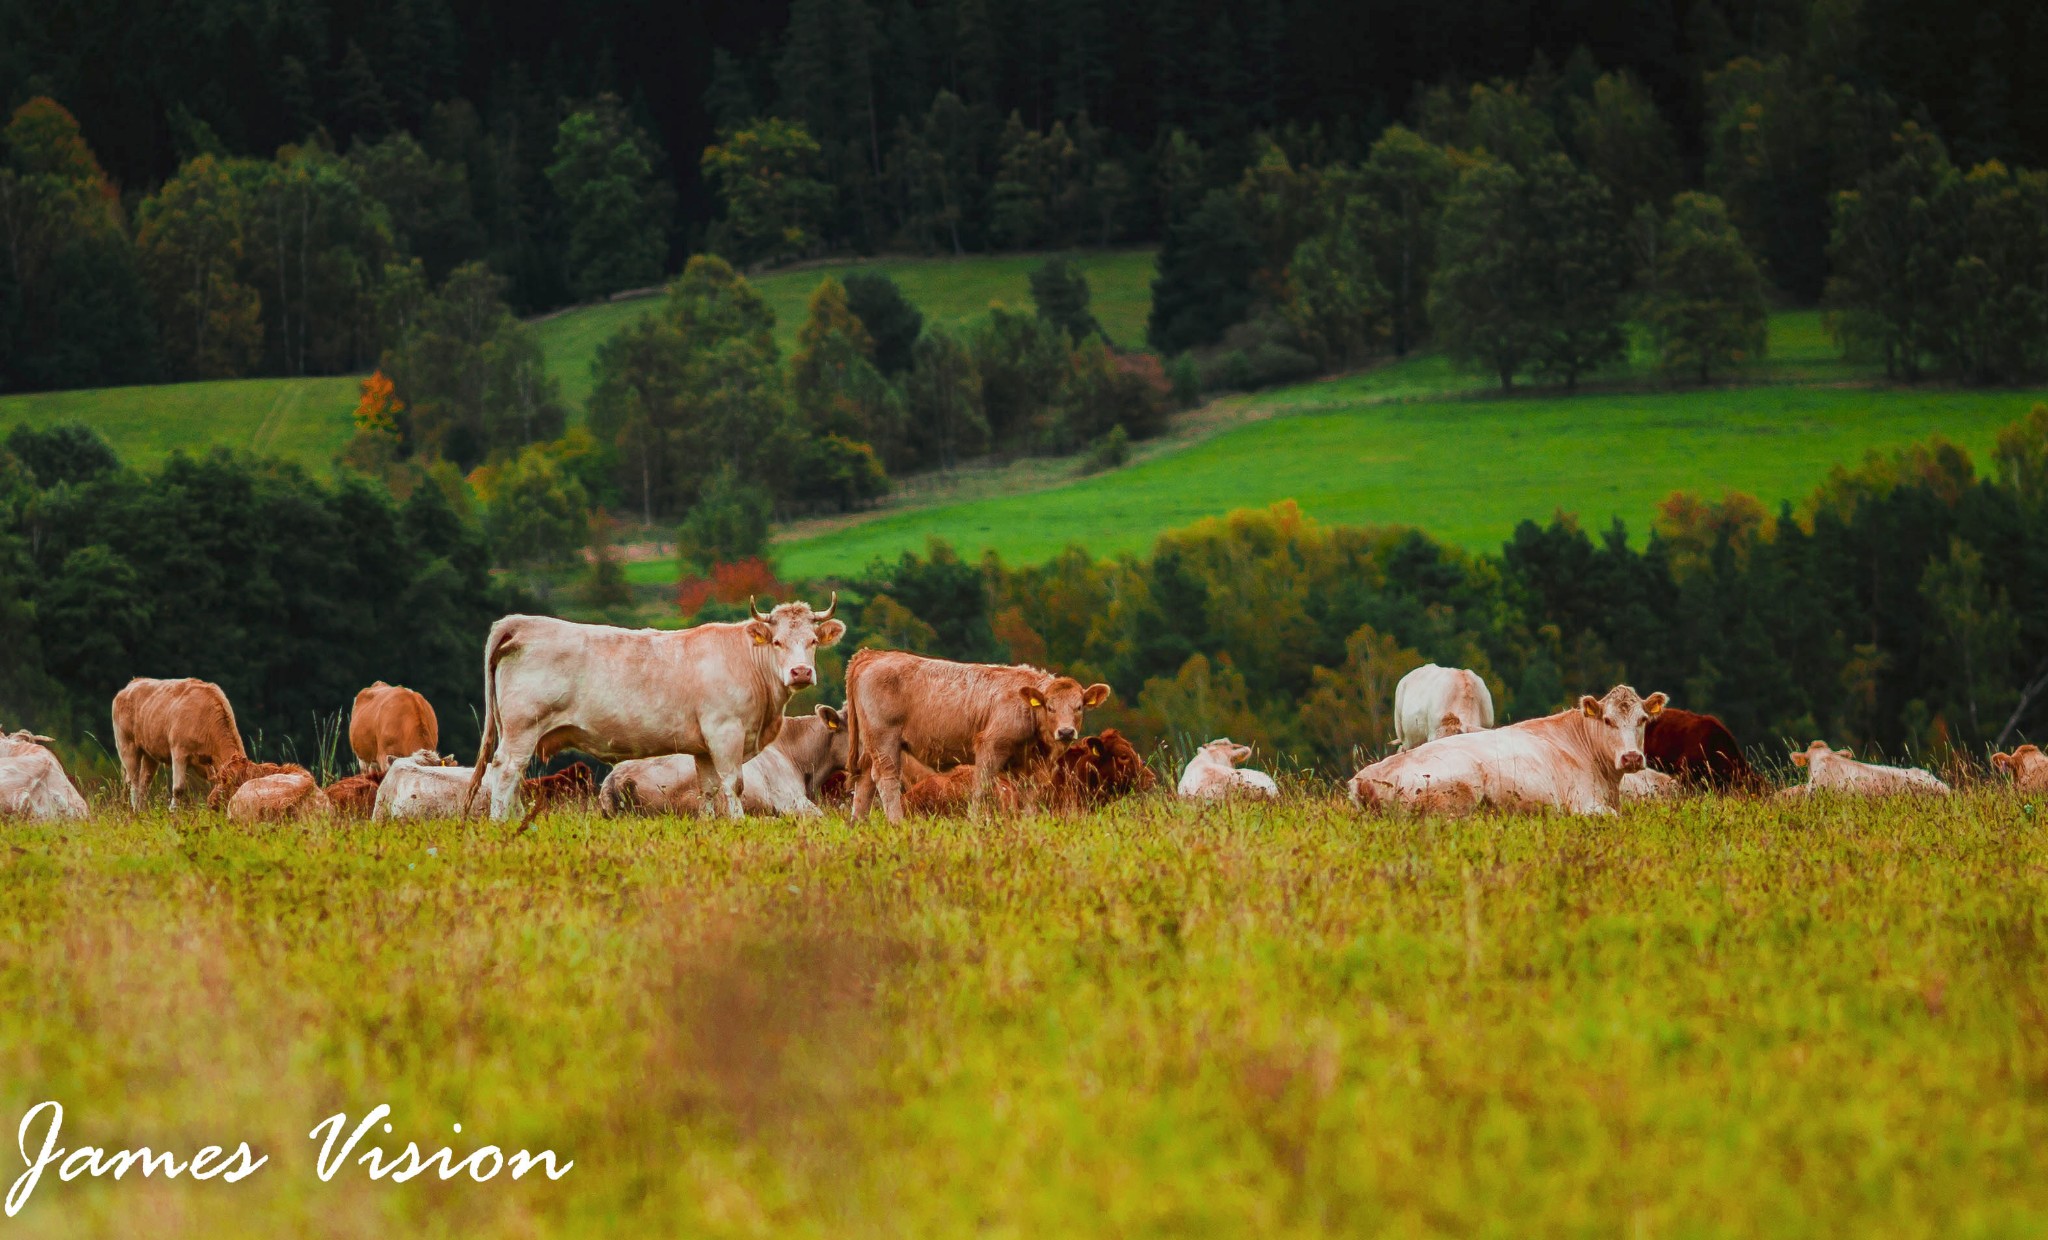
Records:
x=1036, y=702
x=760, y=640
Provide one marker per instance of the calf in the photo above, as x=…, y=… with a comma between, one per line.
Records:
x=574, y=782
x=1699, y=750
x=1649, y=786
x=289, y=795
x=1433, y=701
x=1834, y=770
x=1097, y=770
x=389, y=721
x=424, y=785
x=950, y=794
x=230, y=775
x=1000, y=719
x=2027, y=765
x=1213, y=774
x=1573, y=761
x=788, y=777
x=355, y=796
x=33, y=784
x=185, y=724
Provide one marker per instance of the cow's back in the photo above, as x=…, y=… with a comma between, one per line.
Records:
x=1535, y=763
x=411, y=790
x=1697, y=748
x=1426, y=695
x=939, y=706
x=33, y=784
x=390, y=721
x=188, y=714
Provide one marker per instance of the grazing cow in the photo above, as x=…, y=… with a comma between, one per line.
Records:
x=1213, y=774
x=715, y=692
x=390, y=721
x=2027, y=765
x=1698, y=749
x=290, y=795
x=574, y=782
x=1000, y=719
x=355, y=796
x=33, y=784
x=788, y=777
x=950, y=794
x=233, y=773
x=423, y=785
x=1096, y=770
x=1434, y=701
x=1573, y=760
x=1648, y=785
x=185, y=724
x=1834, y=770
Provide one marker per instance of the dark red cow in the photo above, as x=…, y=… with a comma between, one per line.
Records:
x=574, y=782
x=1698, y=750
x=355, y=796
x=1097, y=770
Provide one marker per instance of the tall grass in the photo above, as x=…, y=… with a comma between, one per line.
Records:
x=1710, y=1017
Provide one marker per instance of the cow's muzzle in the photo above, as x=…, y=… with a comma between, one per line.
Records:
x=800, y=677
x=1066, y=734
x=1631, y=762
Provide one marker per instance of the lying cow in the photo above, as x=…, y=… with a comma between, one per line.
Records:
x=1096, y=770
x=2027, y=765
x=423, y=785
x=1434, y=701
x=1835, y=770
x=715, y=692
x=230, y=775
x=786, y=778
x=1573, y=761
x=572, y=784
x=1648, y=785
x=949, y=795
x=1699, y=750
x=290, y=795
x=1000, y=719
x=184, y=724
x=1213, y=774
x=33, y=784
x=355, y=796
x=390, y=721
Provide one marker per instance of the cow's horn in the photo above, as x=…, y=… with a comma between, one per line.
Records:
x=755, y=608
x=830, y=607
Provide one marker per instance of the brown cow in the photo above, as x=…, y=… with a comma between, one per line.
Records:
x=1097, y=770
x=2027, y=765
x=1698, y=750
x=949, y=795
x=390, y=721
x=574, y=782
x=289, y=795
x=1000, y=719
x=356, y=796
x=230, y=775
x=185, y=724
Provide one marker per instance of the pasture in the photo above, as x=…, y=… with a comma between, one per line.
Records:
x=1707, y=1017
x=307, y=421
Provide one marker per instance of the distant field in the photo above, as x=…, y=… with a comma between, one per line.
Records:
x=303, y=420
x=950, y=290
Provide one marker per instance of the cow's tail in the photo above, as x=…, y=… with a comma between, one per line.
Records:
x=854, y=667
x=495, y=647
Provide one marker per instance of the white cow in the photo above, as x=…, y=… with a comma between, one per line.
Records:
x=782, y=779
x=1213, y=774
x=423, y=785
x=715, y=692
x=33, y=784
x=1573, y=761
x=1834, y=770
x=1648, y=785
x=1433, y=701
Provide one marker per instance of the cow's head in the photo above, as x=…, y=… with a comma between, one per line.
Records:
x=1449, y=725
x=2019, y=761
x=1627, y=714
x=1816, y=751
x=835, y=731
x=1227, y=751
x=791, y=635
x=1057, y=704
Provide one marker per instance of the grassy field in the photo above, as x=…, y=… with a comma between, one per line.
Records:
x=1707, y=1018
x=953, y=291
x=303, y=420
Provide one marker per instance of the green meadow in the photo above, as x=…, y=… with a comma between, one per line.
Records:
x=1704, y=1018
x=301, y=420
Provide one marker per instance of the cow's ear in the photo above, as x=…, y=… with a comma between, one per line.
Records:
x=1032, y=697
x=830, y=714
x=1094, y=696
x=1241, y=753
x=1591, y=705
x=760, y=632
x=1654, y=704
x=830, y=631
x=1799, y=758
x=1095, y=746
x=1845, y=753
x=2003, y=761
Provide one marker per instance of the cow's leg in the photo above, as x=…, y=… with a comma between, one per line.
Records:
x=136, y=769
x=502, y=776
x=863, y=792
x=886, y=767
x=989, y=759
x=728, y=752
x=178, y=767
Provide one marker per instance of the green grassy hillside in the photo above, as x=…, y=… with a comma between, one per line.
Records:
x=303, y=420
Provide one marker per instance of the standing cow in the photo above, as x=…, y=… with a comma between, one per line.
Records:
x=1433, y=701
x=999, y=718
x=185, y=724
x=33, y=784
x=1573, y=760
x=390, y=721
x=715, y=692
x=786, y=778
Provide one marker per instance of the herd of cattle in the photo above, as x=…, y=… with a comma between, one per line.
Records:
x=694, y=721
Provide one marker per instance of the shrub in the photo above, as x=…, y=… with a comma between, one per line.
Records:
x=1112, y=451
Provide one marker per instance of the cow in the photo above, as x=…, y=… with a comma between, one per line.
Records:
x=1096, y=770
x=185, y=724
x=2027, y=765
x=1000, y=719
x=951, y=793
x=33, y=784
x=390, y=721
x=355, y=796
x=423, y=785
x=1434, y=701
x=1836, y=770
x=233, y=773
x=1213, y=774
x=290, y=795
x=574, y=782
x=1573, y=760
x=1699, y=750
x=715, y=692
x=786, y=778
x=1649, y=785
